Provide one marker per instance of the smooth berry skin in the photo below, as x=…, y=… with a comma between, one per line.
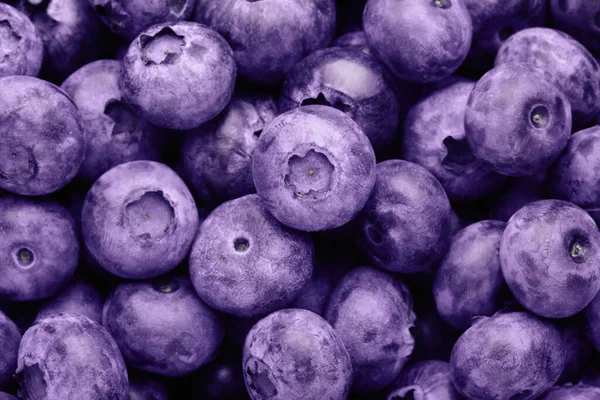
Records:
x=580, y=19
x=39, y=249
x=405, y=226
x=42, y=138
x=178, y=75
x=115, y=134
x=576, y=72
x=295, y=354
x=314, y=168
x=427, y=56
x=217, y=156
x=510, y=355
x=269, y=37
x=549, y=258
x=162, y=326
x=517, y=121
x=573, y=392
x=69, y=356
x=22, y=44
x=434, y=137
x=372, y=313
x=246, y=263
x=424, y=380
x=10, y=337
x=78, y=297
x=139, y=220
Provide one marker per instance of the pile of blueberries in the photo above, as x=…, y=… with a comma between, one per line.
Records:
x=299, y=199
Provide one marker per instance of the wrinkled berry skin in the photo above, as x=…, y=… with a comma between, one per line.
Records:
x=425, y=380
x=173, y=58
x=139, y=220
x=217, y=156
x=579, y=18
x=246, y=263
x=577, y=392
x=469, y=281
x=572, y=177
x=70, y=357
x=575, y=70
x=314, y=168
x=517, y=121
x=549, y=257
x=434, y=137
x=115, y=134
x=39, y=248
x=22, y=44
x=42, y=140
x=428, y=56
x=372, y=313
x=78, y=297
x=145, y=386
x=10, y=337
x=517, y=193
x=351, y=81
x=405, y=226
x=162, y=326
x=129, y=18
x=269, y=37
x=507, y=356
x=294, y=354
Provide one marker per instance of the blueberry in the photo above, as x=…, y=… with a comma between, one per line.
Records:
x=269, y=37
x=221, y=379
x=114, y=132
x=419, y=40
x=434, y=137
x=357, y=40
x=146, y=387
x=42, y=140
x=217, y=156
x=578, y=392
x=424, y=380
x=508, y=356
x=372, y=313
x=405, y=226
x=69, y=354
x=579, y=18
x=22, y=49
x=139, y=220
x=178, y=75
x=10, y=337
x=78, y=297
x=6, y=396
x=314, y=168
x=577, y=347
x=244, y=262
x=517, y=121
x=295, y=355
x=351, y=81
x=549, y=257
x=161, y=326
x=39, y=249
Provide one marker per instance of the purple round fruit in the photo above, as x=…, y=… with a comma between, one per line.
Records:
x=579, y=18
x=517, y=121
x=178, y=75
x=139, y=220
x=10, y=337
x=550, y=258
x=21, y=47
x=296, y=355
x=314, y=168
x=424, y=380
x=78, y=297
x=576, y=392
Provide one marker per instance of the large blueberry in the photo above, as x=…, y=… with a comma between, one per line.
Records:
x=508, y=356
x=78, y=297
x=517, y=121
x=576, y=72
x=42, y=140
x=146, y=387
x=351, y=81
x=434, y=137
x=139, y=220
x=294, y=354
x=469, y=281
x=424, y=380
x=572, y=392
x=21, y=45
x=517, y=193
x=217, y=156
x=10, y=337
x=244, y=262
x=405, y=226
x=372, y=313
x=178, y=75
x=69, y=356
x=550, y=258
x=114, y=132
x=579, y=18
x=129, y=18
x=39, y=249
x=161, y=326
x=314, y=168
x=419, y=40
x=269, y=37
